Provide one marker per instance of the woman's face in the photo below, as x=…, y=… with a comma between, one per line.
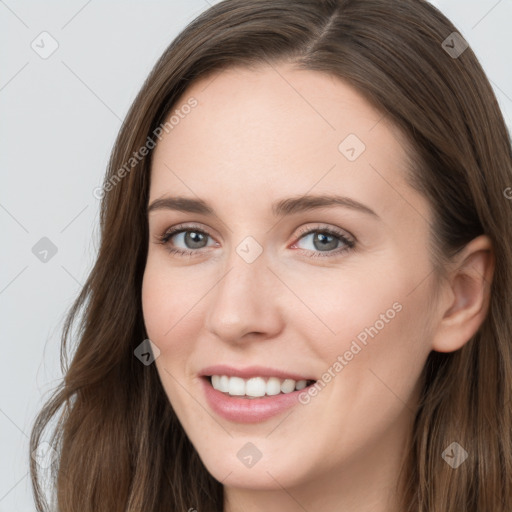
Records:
x=264, y=285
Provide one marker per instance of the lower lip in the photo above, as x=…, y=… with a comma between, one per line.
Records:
x=248, y=410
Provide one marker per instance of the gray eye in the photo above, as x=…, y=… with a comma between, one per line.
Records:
x=320, y=241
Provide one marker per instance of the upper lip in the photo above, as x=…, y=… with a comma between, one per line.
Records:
x=251, y=371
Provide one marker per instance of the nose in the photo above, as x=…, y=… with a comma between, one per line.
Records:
x=245, y=301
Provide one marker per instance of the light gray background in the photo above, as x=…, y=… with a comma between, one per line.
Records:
x=59, y=118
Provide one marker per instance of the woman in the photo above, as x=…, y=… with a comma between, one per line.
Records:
x=340, y=337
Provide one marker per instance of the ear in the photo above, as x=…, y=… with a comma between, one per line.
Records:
x=468, y=295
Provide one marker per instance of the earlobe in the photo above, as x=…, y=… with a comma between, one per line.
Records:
x=470, y=284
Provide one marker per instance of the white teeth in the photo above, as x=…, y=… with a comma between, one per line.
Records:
x=273, y=386
x=236, y=386
x=255, y=386
x=287, y=386
x=223, y=383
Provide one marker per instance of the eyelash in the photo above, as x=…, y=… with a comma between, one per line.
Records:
x=349, y=244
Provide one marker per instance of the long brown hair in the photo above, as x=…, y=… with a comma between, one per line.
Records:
x=120, y=445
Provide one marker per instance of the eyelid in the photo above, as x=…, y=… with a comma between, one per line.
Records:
x=344, y=236
x=302, y=230
x=327, y=228
x=179, y=228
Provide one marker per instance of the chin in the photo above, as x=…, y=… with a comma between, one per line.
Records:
x=267, y=473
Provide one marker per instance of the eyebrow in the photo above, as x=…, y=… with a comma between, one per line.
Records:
x=281, y=208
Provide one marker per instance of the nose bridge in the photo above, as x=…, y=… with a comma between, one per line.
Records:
x=242, y=300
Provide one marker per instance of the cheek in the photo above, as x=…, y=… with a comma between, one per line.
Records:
x=164, y=306
x=373, y=348
x=154, y=298
x=167, y=325
x=173, y=302
x=337, y=308
x=373, y=320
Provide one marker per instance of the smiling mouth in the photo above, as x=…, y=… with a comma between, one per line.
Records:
x=256, y=387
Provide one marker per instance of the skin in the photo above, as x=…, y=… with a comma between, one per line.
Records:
x=256, y=136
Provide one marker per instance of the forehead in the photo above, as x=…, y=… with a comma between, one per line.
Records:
x=280, y=131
